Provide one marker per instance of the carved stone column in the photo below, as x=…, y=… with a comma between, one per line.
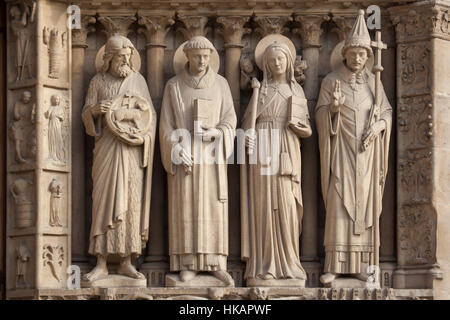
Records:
x=156, y=25
x=39, y=153
x=423, y=182
x=232, y=29
x=79, y=245
x=310, y=33
x=3, y=147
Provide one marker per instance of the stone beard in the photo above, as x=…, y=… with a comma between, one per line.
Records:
x=352, y=179
x=198, y=202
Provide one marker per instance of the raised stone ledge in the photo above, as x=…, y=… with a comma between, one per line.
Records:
x=256, y=293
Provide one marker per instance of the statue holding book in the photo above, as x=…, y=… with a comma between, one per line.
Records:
x=353, y=118
x=197, y=117
x=272, y=208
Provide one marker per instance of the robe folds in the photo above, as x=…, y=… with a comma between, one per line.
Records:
x=198, y=201
x=121, y=173
x=273, y=208
x=352, y=179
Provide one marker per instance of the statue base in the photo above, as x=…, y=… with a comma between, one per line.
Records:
x=252, y=282
x=346, y=282
x=115, y=281
x=200, y=280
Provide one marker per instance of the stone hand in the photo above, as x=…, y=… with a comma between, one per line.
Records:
x=102, y=107
x=255, y=83
x=211, y=133
x=186, y=158
x=338, y=97
x=373, y=132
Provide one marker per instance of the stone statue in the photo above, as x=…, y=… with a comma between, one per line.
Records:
x=354, y=137
x=23, y=256
x=248, y=71
x=55, y=116
x=55, y=202
x=299, y=70
x=21, y=128
x=123, y=157
x=198, y=194
x=21, y=17
x=272, y=202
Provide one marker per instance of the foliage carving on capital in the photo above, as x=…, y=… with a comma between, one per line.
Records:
x=155, y=28
x=310, y=30
x=232, y=28
x=193, y=26
x=344, y=26
x=119, y=25
x=272, y=25
x=79, y=36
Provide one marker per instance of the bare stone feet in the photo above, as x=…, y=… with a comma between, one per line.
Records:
x=127, y=269
x=223, y=276
x=187, y=275
x=98, y=272
x=327, y=278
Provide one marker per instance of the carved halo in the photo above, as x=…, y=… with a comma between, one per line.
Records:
x=180, y=60
x=268, y=40
x=336, y=59
x=135, y=59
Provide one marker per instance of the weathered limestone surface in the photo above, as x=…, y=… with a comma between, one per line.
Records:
x=46, y=59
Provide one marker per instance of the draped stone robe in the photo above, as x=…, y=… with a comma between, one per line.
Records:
x=352, y=179
x=271, y=220
x=122, y=188
x=198, y=201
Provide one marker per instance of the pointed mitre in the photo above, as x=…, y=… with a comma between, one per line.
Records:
x=359, y=36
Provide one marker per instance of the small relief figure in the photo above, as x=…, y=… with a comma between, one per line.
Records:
x=21, y=18
x=299, y=70
x=55, y=202
x=248, y=71
x=55, y=116
x=20, y=190
x=21, y=128
x=272, y=209
x=23, y=256
x=56, y=44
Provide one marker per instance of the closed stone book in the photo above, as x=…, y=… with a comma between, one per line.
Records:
x=204, y=113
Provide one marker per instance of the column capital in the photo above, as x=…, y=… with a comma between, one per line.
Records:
x=232, y=29
x=310, y=30
x=116, y=24
x=194, y=25
x=155, y=27
x=271, y=24
x=344, y=25
x=79, y=36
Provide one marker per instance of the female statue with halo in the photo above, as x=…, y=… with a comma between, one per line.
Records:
x=277, y=116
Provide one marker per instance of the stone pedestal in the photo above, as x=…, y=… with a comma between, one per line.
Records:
x=346, y=282
x=115, y=281
x=200, y=281
x=276, y=283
